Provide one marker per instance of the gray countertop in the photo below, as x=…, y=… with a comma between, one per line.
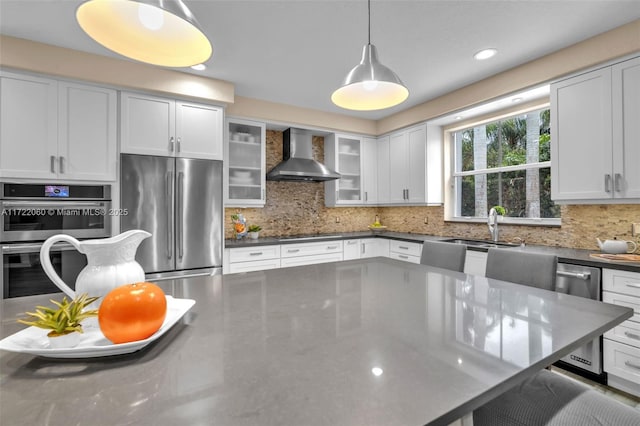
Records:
x=299, y=346
x=565, y=255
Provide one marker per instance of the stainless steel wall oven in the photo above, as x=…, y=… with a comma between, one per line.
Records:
x=30, y=214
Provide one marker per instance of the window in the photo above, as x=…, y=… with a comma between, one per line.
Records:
x=506, y=163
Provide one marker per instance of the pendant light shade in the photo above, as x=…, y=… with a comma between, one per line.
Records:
x=158, y=32
x=370, y=85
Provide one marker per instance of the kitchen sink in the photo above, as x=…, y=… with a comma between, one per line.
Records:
x=480, y=243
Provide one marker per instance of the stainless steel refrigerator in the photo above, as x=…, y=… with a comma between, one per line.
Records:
x=179, y=201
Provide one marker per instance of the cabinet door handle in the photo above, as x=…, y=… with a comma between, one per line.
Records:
x=607, y=183
x=407, y=194
x=293, y=250
x=403, y=256
x=351, y=242
x=61, y=159
x=616, y=182
x=257, y=253
x=403, y=247
x=53, y=164
x=332, y=247
x=171, y=144
x=362, y=248
x=366, y=196
x=632, y=365
x=632, y=335
x=633, y=285
x=178, y=145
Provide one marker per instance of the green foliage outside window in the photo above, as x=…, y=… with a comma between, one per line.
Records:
x=506, y=145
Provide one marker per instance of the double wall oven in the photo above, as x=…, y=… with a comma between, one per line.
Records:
x=30, y=214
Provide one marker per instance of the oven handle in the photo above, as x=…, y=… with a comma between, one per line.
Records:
x=67, y=204
x=33, y=248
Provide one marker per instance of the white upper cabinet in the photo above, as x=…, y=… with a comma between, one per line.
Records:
x=159, y=126
x=370, y=171
x=384, y=188
x=87, y=132
x=199, y=131
x=245, y=163
x=344, y=154
x=594, y=135
x=626, y=128
x=408, y=166
x=58, y=130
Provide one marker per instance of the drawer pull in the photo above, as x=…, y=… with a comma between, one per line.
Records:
x=332, y=247
x=632, y=335
x=632, y=365
x=351, y=242
x=403, y=247
x=403, y=256
x=257, y=253
x=633, y=285
x=293, y=250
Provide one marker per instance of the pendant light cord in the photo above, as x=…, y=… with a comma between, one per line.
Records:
x=369, y=11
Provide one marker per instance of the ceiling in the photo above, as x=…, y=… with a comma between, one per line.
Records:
x=298, y=51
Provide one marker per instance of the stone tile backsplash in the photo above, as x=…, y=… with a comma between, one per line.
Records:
x=298, y=208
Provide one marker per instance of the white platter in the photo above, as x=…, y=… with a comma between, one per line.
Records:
x=92, y=344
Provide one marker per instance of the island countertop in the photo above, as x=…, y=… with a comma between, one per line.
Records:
x=372, y=341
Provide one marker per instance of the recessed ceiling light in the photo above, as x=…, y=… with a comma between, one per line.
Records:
x=485, y=54
x=199, y=67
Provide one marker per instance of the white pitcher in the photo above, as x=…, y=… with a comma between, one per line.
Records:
x=111, y=263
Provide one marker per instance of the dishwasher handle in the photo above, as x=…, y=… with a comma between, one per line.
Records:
x=579, y=275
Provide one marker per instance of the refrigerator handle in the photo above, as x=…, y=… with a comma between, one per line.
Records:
x=179, y=223
x=170, y=214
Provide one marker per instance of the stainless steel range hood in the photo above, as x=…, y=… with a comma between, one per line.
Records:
x=298, y=164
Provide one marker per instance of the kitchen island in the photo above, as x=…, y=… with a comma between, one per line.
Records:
x=370, y=341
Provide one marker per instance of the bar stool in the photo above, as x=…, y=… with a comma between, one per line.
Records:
x=531, y=269
x=548, y=399
x=444, y=255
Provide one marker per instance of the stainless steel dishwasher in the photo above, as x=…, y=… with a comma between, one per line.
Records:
x=582, y=281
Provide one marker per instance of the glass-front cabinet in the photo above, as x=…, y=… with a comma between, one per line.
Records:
x=344, y=154
x=244, y=163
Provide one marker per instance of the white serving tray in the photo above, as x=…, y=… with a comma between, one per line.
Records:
x=34, y=340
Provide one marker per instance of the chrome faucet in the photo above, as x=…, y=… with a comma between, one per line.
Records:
x=492, y=222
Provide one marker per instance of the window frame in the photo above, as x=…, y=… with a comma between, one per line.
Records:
x=450, y=174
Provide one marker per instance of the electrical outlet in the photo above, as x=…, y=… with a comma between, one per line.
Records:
x=635, y=229
x=337, y=219
x=426, y=220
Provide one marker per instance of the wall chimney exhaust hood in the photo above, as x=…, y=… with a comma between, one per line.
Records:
x=298, y=164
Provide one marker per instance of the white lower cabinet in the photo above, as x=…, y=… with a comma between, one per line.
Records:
x=373, y=247
x=361, y=248
x=247, y=259
x=621, y=345
x=310, y=253
x=406, y=251
x=475, y=263
x=351, y=249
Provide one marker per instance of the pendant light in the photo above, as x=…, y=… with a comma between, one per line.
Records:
x=370, y=85
x=158, y=32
